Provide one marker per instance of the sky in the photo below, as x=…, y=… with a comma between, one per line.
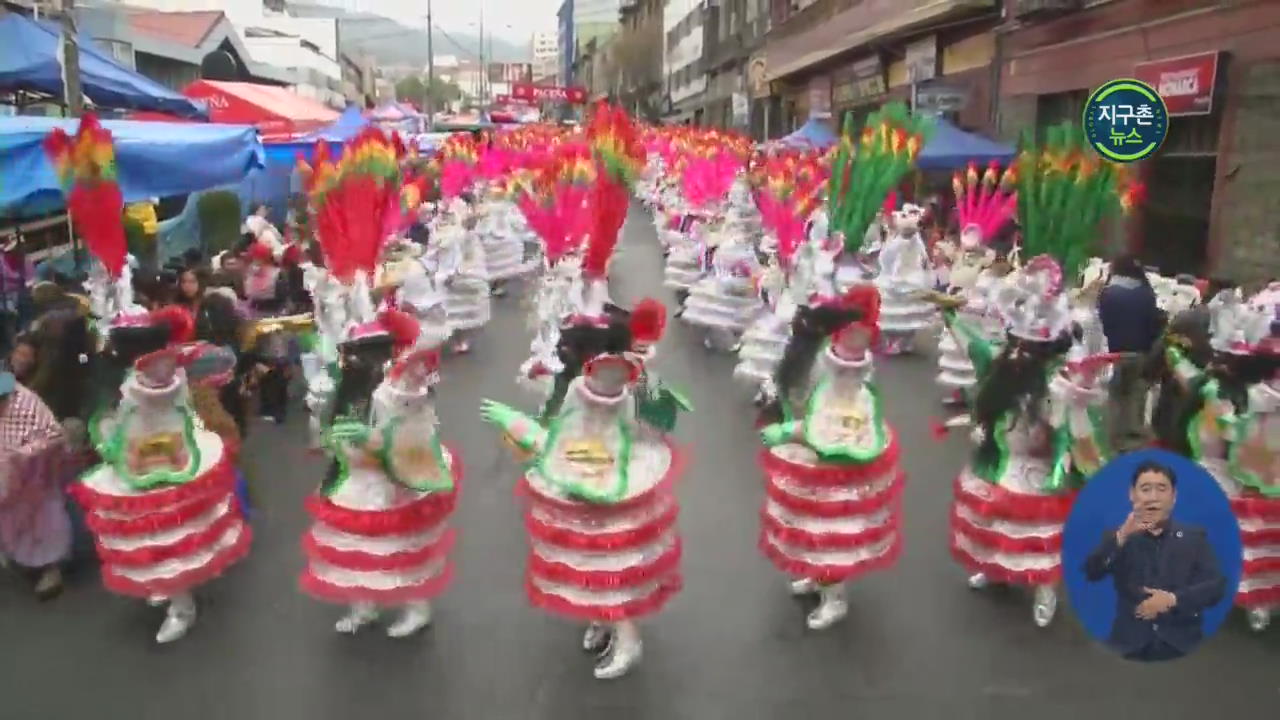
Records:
x=514, y=20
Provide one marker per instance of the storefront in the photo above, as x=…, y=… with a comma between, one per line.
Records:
x=858, y=89
x=1212, y=187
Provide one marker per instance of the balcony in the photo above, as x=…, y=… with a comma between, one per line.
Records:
x=1026, y=10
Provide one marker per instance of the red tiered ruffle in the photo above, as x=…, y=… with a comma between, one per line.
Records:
x=1001, y=504
x=344, y=594
x=784, y=544
x=828, y=574
x=216, y=481
x=1262, y=598
x=658, y=577
x=831, y=474
x=1018, y=507
x=418, y=517
x=182, y=582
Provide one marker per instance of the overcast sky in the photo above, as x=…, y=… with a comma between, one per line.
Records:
x=515, y=20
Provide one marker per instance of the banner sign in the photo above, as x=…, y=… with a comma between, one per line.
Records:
x=553, y=93
x=1185, y=83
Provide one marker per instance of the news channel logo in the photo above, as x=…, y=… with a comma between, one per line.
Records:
x=1126, y=120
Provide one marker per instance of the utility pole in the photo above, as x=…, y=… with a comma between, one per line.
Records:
x=73, y=96
x=430, y=104
x=484, y=66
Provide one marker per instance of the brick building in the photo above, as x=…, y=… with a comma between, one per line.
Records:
x=1214, y=205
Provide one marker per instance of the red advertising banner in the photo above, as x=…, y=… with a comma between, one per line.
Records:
x=1186, y=83
x=539, y=93
x=504, y=99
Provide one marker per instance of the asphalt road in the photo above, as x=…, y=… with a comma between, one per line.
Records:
x=917, y=644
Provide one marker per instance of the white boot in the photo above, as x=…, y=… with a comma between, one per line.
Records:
x=1046, y=605
x=804, y=586
x=625, y=650
x=358, y=616
x=1259, y=618
x=414, y=617
x=979, y=581
x=831, y=609
x=596, y=638
x=178, y=619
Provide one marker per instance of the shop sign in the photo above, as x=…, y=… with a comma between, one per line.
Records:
x=1186, y=83
x=862, y=82
x=537, y=93
x=922, y=59
x=938, y=99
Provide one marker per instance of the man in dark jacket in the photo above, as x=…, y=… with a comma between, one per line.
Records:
x=1132, y=322
x=1165, y=573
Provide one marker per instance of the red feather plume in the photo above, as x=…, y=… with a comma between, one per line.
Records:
x=648, y=321
x=401, y=326
x=180, y=321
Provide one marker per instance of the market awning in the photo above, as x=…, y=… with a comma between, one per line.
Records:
x=30, y=61
x=152, y=160
x=951, y=148
x=278, y=113
x=347, y=126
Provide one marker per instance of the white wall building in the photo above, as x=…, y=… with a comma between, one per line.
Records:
x=546, y=57
x=682, y=49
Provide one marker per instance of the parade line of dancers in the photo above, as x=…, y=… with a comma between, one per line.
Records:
x=801, y=262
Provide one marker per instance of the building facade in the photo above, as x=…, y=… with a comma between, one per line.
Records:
x=638, y=53
x=1212, y=187
x=682, y=62
x=733, y=32
x=847, y=57
x=566, y=43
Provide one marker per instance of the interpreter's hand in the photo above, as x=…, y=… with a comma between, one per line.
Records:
x=1131, y=525
x=1157, y=603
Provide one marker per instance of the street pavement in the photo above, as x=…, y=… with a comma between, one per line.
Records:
x=917, y=643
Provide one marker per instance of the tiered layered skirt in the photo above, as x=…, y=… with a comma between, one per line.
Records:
x=605, y=563
x=375, y=542
x=831, y=522
x=1010, y=536
x=1259, y=519
x=164, y=542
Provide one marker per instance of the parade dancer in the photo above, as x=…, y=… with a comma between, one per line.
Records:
x=983, y=208
x=1035, y=435
x=161, y=506
x=725, y=301
x=600, y=473
x=380, y=535
x=1232, y=428
x=602, y=512
x=833, y=483
x=904, y=273
x=455, y=259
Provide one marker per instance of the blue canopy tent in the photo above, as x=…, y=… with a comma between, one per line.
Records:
x=951, y=148
x=347, y=126
x=153, y=159
x=815, y=133
x=29, y=62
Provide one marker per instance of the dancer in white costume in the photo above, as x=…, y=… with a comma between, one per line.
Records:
x=904, y=273
x=725, y=300
x=983, y=208
x=381, y=535
x=455, y=259
x=1232, y=428
x=502, y=234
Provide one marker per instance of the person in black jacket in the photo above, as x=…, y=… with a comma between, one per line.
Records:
x=1132, y=321
x=1165, y=573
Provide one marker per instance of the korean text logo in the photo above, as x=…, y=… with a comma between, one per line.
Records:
x=1126, y=120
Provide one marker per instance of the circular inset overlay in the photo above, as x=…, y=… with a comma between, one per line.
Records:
x=1126, y=120
x=1152, y=555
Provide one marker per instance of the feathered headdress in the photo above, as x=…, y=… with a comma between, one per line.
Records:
x=350, y=200
x=984, y=206
x=86, y=168
x=1064, y=191
x=864, y=171
x=619, y=158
